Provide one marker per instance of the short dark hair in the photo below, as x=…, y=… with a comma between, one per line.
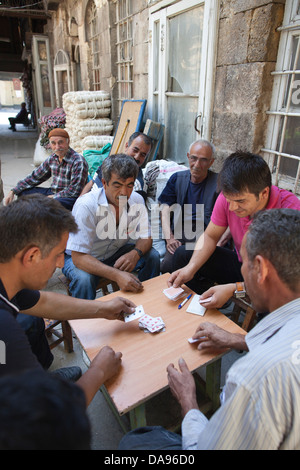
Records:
x=121, y=164
x=147, y=140
x=244, y=171
x=33, y=220
x=275, y=235
x=41, y=411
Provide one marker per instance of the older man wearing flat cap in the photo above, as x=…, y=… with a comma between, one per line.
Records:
x=68, y=169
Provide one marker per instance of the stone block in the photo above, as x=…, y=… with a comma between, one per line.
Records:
x=233, y=39
x=264, y=39
x=245, y=5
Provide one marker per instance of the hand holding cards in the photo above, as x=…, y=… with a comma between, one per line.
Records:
x=173, y=293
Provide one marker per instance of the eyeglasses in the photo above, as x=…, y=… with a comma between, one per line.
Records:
x=202, y=161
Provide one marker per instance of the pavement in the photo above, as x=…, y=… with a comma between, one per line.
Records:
x=17, y=160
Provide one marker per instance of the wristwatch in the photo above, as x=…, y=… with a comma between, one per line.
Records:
x=140, y=253
x=239, y=290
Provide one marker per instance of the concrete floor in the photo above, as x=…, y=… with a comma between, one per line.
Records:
x=16, y=154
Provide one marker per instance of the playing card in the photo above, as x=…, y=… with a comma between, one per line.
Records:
x=191, y=340
x=195, y=307
x=173, y=293
x=202, y=301
x=139, y=312
x=151, y=324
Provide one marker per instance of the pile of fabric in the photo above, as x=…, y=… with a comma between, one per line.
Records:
x=88, y=119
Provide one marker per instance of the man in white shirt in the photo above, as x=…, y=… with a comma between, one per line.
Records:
x=260, y=402
x=114, y=234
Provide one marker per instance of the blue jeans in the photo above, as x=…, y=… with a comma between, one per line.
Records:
x=150, y=438
x=83, y=285
x=67, y=202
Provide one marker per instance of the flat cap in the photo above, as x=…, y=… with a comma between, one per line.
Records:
x=59, y=133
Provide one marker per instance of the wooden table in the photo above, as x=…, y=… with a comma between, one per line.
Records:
x=145, y=355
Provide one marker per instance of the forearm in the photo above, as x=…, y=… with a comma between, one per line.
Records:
x=238, y=342
x=144, y=244
x=92, y=265
x=64, y=307
x=90, y=382
x=165, y=223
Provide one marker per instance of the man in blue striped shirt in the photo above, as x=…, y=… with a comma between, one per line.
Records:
x=260, y=403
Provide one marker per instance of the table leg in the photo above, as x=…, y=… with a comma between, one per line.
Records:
x=138, y=416
x=213, y=382
x=113, y=408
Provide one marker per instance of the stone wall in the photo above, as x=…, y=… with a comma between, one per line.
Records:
x=246, y=56
x=62, y=36
x=247, y=53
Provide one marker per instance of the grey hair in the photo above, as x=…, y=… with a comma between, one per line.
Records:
x=204, y=142
x=275, y=235
x=123, y=165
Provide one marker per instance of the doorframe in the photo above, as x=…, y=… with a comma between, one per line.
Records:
x=162, y=11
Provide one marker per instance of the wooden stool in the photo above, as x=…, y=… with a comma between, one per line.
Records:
x=245, y=305
x=64, y=336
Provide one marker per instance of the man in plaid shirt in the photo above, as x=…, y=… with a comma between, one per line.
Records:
x=68, y=169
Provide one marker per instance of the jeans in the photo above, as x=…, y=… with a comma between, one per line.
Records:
x=83, y=285
x=67, y=202
x=150, y=438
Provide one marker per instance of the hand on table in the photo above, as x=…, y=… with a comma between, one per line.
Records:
x=212, y=336
x=107, y=363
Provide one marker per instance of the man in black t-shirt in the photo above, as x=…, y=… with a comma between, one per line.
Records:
x=33, y=234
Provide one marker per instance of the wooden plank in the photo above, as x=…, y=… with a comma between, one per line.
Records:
x=130, y=121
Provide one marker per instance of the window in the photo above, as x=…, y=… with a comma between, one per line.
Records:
x=124, y=49
x=282, y=151
x=182, y=58
x=93, y=38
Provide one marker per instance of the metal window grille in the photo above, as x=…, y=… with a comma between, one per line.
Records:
x=282, y=151
x=94, y=41
x=124, y=49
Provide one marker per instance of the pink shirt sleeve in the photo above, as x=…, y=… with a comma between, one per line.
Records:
x=219, y=214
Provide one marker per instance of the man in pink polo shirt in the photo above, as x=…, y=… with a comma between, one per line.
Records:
x=245, y=187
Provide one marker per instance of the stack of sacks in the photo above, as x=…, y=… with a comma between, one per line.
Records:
x=87, y=115
x=96, y=142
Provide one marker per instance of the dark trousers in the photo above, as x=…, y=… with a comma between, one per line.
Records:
x=222, y=267
x=67, y=202
x=34, y=328
x=13, y=121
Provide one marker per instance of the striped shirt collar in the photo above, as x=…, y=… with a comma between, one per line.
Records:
x=273, y=322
